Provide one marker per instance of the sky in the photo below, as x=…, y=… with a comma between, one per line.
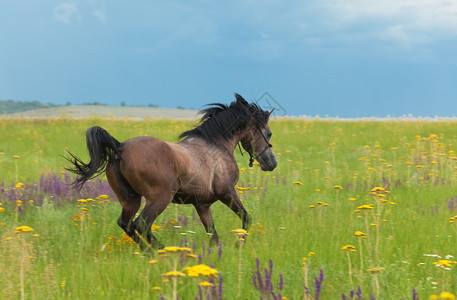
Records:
x=336, y=58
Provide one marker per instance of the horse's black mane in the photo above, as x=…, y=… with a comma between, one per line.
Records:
x=225, y=121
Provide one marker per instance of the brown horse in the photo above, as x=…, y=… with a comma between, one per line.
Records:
x=199, y=170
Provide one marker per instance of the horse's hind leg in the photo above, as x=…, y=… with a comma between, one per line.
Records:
x=155, y=205
x=129, y=200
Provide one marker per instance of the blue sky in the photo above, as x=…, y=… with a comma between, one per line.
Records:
x=346, y=58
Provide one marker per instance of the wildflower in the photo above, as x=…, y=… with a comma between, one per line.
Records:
x=348, y=248
x=16, y=156
x=201, y=270
x=153, y=261
x=177, y=249
x=205, y=283
x=338, y=187
x=240, y=231
x=2, y=209
x=36, y=235
x=103, y=197
x=312, y=206
x=297, y=183
x=174, y=274
x=19, y=186
x=352, y=199
x=23, y=229
x=366, y=206
x=444, y=295
x=359, y=233
x=156, y=288
x=311, y=253
x=444, y=263
x=375, y=270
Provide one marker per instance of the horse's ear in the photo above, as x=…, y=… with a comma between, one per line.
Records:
x=241, y=100
x=271, y=111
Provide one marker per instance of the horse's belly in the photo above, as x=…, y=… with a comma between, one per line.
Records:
x=193, y=196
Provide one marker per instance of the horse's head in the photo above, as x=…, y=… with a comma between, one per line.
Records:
x=256, y=139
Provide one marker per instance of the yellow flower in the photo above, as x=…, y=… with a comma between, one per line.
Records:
x=16, y=156
x=201, y=270
x=156, y=288
x=359, y=233
x=23, y=229
x=352, y=199
x=177, y=249
x=19, y=186
x=153, y=261
x=240, y=232
x=174, y=274
x=103, y=197
x=348, y=248
x=2, y=209
x=297, y=183
x=338, y=187
x=205, y=283
x=311, y=253
x=443, y=295
x=376, y=270
x=366, y=206
x=444, y=263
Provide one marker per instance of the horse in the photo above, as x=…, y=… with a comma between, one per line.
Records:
x=200, y=169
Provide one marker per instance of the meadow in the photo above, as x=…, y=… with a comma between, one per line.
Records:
x=354, y=210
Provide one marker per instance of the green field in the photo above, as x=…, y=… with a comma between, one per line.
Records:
x=305, y=216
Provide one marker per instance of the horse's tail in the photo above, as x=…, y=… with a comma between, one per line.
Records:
x=102, y=147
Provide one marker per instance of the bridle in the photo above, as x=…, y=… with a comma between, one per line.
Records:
x=252, y=156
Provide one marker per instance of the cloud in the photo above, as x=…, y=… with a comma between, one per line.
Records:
x=406, y=21
x=100, y=15
x=65, y=12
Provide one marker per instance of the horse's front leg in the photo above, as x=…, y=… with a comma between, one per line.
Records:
x=204, y=213
x=234, y=203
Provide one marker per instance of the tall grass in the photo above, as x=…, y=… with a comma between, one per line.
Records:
x=304, y=212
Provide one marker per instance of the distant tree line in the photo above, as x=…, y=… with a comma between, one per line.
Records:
x=12, y=106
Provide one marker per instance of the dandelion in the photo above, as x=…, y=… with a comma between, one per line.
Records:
x=338, y=187
x=349, y=248
x=156, y=288
x=359, y=234
x=297, y=183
